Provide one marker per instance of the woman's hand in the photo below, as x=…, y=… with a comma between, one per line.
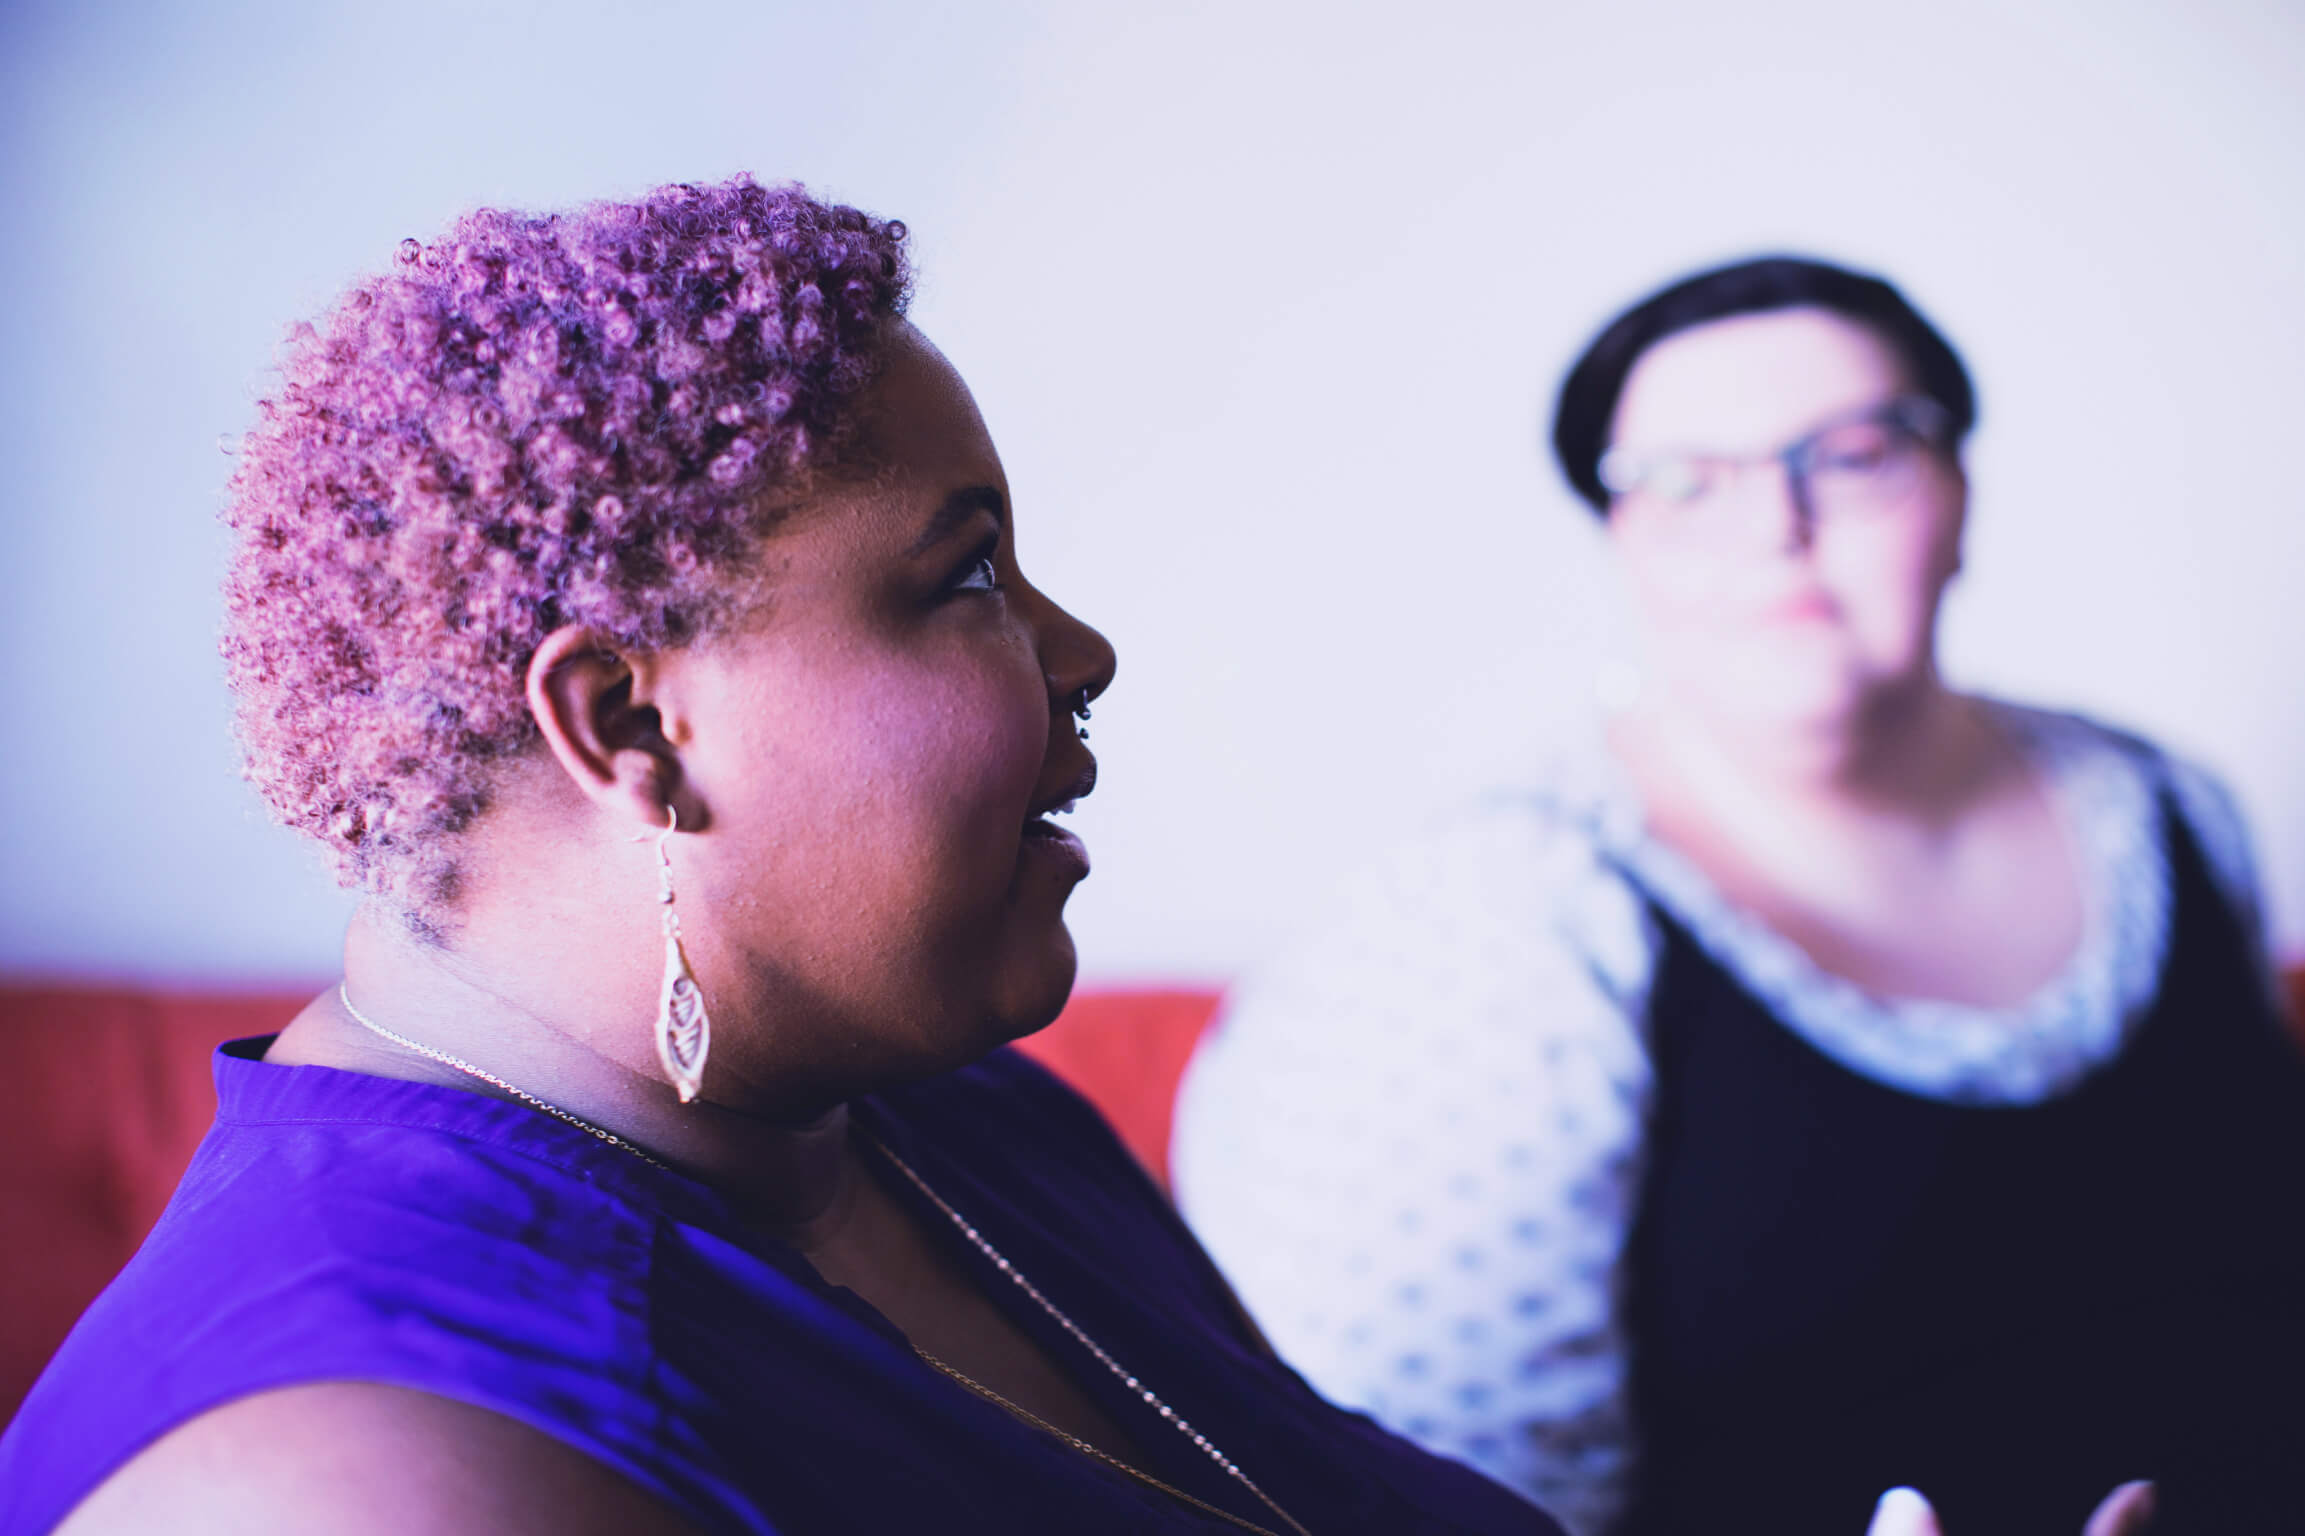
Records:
x=2126, y=1511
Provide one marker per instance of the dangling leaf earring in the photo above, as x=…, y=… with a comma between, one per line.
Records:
x=683, y=1033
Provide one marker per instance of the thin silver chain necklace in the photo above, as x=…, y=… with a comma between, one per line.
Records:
x=1000, y=1261
x=466, y=1067
x=977, y=1240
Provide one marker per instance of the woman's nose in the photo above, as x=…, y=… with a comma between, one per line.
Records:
x=1784, y=515
x=1079, y=661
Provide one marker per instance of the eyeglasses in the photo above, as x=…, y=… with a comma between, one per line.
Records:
x=1864, y=462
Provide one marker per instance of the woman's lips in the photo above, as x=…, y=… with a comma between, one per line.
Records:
x=1800, y=608
x=1044, y=839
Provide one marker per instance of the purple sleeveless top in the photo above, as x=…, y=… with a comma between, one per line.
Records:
x=336, y=1226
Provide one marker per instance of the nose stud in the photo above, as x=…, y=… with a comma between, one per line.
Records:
x=1080, y=711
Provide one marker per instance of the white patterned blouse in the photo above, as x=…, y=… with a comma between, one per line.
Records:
x=1413, y=1143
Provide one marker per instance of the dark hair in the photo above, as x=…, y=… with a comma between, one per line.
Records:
x=1588, y=399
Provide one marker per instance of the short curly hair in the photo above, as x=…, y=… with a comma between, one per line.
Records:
x=537, y=420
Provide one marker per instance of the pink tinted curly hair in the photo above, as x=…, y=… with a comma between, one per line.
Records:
x=581, y=418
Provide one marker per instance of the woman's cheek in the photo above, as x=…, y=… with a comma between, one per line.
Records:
x=969, y=758
x=1678, y=600
x=1888, y=584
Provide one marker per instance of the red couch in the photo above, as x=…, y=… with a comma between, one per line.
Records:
x=111, y=1092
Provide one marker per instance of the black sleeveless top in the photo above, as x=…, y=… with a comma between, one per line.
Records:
x=1835, y=1287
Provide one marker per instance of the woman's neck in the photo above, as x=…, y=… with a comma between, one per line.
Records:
x=580, y=1040
x=1915, y=755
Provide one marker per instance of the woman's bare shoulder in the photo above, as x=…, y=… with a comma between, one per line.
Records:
x=362, y=1459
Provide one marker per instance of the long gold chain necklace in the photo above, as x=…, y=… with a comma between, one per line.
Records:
x=977, y=1240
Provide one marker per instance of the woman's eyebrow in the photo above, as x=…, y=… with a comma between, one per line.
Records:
x=959, y=508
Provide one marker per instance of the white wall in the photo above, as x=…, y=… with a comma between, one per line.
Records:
x=1263, y=303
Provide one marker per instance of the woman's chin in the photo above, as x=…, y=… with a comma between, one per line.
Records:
x=1030, y=991
x=1807, y=688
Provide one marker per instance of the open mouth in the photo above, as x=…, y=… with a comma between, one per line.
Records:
x=1045, y=836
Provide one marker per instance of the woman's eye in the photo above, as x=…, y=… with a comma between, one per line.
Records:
x=1856, y=452
x=1680, y=480
x=979, y=575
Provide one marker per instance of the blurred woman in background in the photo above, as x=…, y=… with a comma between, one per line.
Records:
x=628, y=600
x=1822, y=1079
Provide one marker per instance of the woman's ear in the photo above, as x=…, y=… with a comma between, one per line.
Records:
x=1960, y=516
x=590, y=699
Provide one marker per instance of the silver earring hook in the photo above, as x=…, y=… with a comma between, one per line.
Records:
x=664, y=867
x=672, y=825
x=664, y=864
